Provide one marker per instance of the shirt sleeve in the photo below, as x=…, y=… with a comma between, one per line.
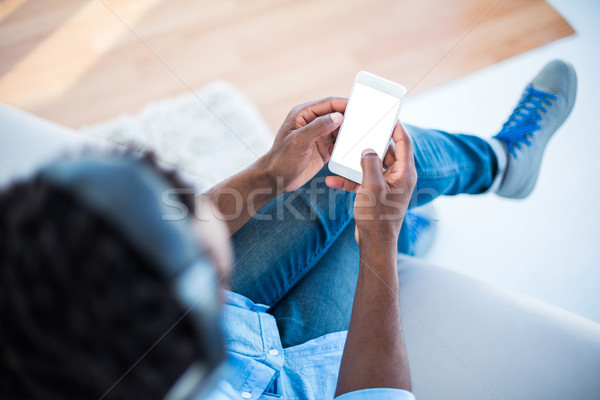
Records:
x=377, y=393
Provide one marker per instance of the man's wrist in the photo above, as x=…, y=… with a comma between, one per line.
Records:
x=379, y=253
x=262, y=176
x=378, y=268
x=379, y=237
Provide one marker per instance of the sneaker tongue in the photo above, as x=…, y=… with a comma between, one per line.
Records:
x=544, y=87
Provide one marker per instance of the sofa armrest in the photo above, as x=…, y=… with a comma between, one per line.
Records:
x=469, y=340
x=27, y=141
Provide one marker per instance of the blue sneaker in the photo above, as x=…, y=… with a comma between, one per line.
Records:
x=545, y=104
x=421, y=230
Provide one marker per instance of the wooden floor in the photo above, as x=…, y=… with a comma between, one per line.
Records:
x=82, y=61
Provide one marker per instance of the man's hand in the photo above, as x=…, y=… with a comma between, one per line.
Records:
x=302, y=145
x=383, y=197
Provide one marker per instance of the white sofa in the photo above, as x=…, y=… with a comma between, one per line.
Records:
x=465, y=339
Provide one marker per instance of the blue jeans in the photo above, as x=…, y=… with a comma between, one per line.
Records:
x=298, y=253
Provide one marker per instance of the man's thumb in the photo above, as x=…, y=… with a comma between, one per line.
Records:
x=371, y=167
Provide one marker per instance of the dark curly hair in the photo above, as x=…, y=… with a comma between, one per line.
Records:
x=79, y=307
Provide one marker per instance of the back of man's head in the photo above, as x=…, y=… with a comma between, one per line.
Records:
x=82, y=313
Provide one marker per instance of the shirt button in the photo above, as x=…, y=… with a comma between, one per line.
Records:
x=246, y=395
x=273, y=352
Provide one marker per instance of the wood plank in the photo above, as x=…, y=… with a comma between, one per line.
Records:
x=75, y=62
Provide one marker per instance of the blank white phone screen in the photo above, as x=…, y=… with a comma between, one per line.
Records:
x=369, y=118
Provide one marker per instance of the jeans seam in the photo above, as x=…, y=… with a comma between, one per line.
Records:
x=447, y=173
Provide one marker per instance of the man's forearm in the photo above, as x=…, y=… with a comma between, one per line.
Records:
x=241, y=196
x=374, y=354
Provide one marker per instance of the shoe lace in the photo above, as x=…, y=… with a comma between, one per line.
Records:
x=525, y=119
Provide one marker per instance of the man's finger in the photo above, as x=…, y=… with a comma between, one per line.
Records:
x=338, y=182
x=320, y=126
x=312, y=110
x=371, y=167
x=390, y=156
x=403, y=143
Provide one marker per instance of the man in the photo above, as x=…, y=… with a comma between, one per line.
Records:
x=86, y=315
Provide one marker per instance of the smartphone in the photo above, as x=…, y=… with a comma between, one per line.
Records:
x=369, y=121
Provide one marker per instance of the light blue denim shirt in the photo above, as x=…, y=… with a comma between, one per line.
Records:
x=259, y=368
